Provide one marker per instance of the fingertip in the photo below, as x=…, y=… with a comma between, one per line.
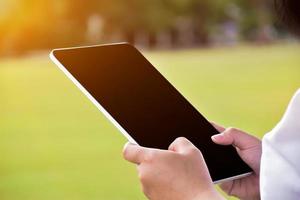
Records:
x=125, y=145
x=125, y=148
x=217, y=138
x=132, y=153
x=180, y=144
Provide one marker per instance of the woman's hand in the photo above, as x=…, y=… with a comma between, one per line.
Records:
x=175, y=174
x=249, y=149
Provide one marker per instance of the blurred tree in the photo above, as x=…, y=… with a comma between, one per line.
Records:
x=36, y=24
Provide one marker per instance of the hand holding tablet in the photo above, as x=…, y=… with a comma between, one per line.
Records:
x=174, y=174
x=143, y=105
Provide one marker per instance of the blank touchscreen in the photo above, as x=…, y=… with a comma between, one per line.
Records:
x=145, y=104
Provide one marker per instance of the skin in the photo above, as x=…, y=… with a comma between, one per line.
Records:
x=174, y=174
x=249, y=149
x=181, y=173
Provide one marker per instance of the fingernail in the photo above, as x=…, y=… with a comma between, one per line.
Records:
x=217, y=137
x=126, y=145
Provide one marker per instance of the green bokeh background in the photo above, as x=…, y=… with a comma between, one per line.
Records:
x=55, y=144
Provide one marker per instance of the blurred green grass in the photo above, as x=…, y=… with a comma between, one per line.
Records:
x=54, y=144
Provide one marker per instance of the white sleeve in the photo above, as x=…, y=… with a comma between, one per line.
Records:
x=280, y=164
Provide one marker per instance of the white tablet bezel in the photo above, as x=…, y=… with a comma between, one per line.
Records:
x=102, y=109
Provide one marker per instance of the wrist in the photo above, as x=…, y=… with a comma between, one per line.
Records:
x=210, y=194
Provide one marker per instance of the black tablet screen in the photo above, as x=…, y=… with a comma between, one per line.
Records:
x=145, y=104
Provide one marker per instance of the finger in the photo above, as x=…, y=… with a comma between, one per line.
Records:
x=138, y=154
x=134, y=153
x=181, y=145
x=235, y=137
x=220, y=139
x=218, y=127
x=227, y=187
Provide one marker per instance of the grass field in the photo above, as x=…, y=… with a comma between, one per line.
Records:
x=54, y=144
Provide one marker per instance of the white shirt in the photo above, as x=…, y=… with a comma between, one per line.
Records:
x=280, y=163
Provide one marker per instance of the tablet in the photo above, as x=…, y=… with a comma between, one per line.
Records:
x=143, y=104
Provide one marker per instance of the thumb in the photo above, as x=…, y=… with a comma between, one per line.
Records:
x=134, y=153
x=235, y=137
